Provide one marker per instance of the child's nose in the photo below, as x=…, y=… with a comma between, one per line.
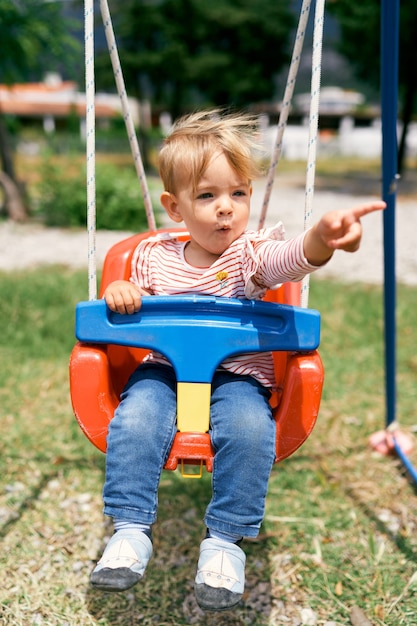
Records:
x=224, y=206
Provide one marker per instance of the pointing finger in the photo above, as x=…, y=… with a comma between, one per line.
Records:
x=365, y=209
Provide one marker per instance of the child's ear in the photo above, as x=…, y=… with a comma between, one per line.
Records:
x=170, y=204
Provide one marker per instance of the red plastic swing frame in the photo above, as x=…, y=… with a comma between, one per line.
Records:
x=98, y=374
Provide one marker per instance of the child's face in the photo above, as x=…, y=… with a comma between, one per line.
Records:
x=215, y=214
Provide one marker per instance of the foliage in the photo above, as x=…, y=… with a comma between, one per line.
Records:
x=360, y=43
x=63, y=197
x=360, y=35
x=360, y=40
x=35, y=38
x=179, y=53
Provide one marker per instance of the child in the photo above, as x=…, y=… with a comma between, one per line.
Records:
x=206, y=166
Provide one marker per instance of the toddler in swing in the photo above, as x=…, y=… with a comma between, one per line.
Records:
x=207, y=166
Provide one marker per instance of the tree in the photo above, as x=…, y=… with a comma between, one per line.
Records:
x=360, y=43
x=179, y=53
x=34, y=38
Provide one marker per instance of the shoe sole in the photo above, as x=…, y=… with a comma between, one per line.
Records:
x=114, y=580
x=212, y=599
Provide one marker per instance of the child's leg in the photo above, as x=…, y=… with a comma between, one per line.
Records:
x=138, y=443
x=243, y=437
x=139, y=440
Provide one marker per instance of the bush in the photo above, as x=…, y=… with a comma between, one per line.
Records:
x=63, y=197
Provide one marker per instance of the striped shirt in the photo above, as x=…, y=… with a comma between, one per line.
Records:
x=253, y=263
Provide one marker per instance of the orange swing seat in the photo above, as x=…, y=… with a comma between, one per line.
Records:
x=99, y=372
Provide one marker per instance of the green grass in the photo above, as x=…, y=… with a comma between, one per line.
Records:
x=340, y=529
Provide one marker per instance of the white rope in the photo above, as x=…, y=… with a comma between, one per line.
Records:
x=90, y=146
x=90, y=124
x=313, y=129
x=118, y=74
x=286, y=105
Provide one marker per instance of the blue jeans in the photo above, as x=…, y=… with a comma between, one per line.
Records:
x=140, y=437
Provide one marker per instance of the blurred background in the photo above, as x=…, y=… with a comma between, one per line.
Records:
x=179, y=55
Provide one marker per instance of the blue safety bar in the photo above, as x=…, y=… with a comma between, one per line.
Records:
x=181, y=327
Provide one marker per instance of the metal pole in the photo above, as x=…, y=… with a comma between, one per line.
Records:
x=389, y=102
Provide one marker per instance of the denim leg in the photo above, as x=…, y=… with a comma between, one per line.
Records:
x=243, y=437
x=138, y=443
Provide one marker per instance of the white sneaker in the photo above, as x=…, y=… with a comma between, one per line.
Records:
x=220, y=579
x=123, y=562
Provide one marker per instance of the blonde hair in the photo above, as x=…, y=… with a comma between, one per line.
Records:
x=187, y=150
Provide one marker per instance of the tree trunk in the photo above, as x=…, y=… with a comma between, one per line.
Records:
x=14, y=205
x=6, y=153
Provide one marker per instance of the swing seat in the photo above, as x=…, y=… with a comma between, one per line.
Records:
x=196, y=333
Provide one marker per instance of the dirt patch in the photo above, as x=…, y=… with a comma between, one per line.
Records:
x=31, y=245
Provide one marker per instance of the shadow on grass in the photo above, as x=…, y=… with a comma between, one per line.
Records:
x=406, y=545
x=165, y=595
x=49, y=467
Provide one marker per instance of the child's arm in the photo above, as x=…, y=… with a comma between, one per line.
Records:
x=337, y=230
x=122, y=296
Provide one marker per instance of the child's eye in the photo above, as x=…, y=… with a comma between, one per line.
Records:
x=204, y=196
x=239, y=192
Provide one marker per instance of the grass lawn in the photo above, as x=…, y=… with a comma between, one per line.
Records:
x=340, y=534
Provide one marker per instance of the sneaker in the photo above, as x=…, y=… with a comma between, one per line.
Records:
x=123, y=562
x=220, y=579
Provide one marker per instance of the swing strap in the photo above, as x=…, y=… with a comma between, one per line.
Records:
x=90, y=146
x=286, y=106
x=314, y=115
x=130, y=127
x=313, y=130
x=90, y=132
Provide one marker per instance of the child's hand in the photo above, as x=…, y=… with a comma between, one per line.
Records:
x=342, y=230
x=123, y=297
x=337, y=230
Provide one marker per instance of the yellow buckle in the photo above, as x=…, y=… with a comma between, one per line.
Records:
x=197, y=474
